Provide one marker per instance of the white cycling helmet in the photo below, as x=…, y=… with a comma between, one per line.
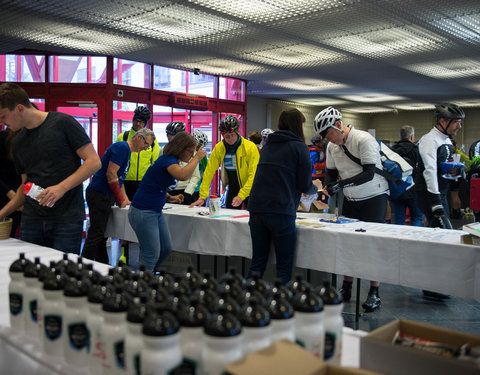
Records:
x=200, y=137
x=326, y=119
x=266, y=132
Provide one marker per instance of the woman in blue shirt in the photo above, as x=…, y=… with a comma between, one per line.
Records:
x=145, y=214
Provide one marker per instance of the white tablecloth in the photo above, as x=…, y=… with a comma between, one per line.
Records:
x=427, y=258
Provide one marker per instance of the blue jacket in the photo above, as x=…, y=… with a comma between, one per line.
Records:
x=284, y=172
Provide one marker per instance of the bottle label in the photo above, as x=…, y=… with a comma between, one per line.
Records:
x=78, y=335
x=53, y=326
x=16, y=303
x=187, y=367
x=32, y=306
x=118, y=351
x=329, y=350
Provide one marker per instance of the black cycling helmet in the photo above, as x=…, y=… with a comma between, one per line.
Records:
x=449, y=111
x=175, y=127
x=229, y=124
x=142, y=113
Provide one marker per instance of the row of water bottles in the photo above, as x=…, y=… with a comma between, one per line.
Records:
x=137, y=322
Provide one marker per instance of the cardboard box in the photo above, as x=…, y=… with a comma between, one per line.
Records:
x=377, y=353
x=286, y=358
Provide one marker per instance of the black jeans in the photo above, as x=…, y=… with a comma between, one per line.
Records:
x=99, y=206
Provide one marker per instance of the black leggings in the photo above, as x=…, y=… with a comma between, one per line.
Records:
x=372, y=210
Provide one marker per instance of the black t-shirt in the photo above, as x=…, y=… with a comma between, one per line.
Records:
x=47, y=155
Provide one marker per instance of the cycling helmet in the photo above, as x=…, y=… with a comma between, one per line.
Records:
x=266, y=132
x=200, y=137
x=229, y=124
x=142, y=113
x=175, y=127
x=449, y=111
x=326, y=119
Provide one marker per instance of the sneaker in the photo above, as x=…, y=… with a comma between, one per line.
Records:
x=346, y=293
x=372, y=302
x=428, y=294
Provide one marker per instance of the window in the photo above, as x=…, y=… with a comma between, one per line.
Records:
x=131, y=73
x=174, y=80
x=231, y=89
x=162, y=116
x=77, y=69
x=22, y=68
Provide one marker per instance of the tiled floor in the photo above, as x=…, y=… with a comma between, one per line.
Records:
x=407, y=303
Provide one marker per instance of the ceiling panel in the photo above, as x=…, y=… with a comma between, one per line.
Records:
x=397, y=52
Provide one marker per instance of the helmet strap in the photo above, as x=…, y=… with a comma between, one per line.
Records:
x=444, y=130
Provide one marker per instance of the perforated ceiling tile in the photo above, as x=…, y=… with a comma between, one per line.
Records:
x=372, y=98
x=266, y=10
x=453, y=68
x=300, y=55
x=308, y=84
x=226, y=67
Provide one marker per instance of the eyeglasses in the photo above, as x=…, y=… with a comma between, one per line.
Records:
x=146, y=145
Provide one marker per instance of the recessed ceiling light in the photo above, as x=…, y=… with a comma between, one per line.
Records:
x=372, y=98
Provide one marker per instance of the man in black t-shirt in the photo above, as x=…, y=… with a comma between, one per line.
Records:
x=48, y=151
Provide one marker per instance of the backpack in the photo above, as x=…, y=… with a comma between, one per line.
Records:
x=396, y=170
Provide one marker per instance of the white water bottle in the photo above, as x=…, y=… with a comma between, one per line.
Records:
x=76, y=337
x=53, y=314
x=255, y=321
x=16, y=292
x=282, y=318
x=161, y=351
x=30, y=299
x=114, y=311
x=192, y=318
x=309, y=329
x=32, y=190
x=95, y=298
x=333, y=323
x=222, y=342
x=133, y=339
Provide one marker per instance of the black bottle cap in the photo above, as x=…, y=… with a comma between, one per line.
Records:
x=233, y=288
x=193, y=278
x=97, y=291
x=137, y=309
x=165, y=279
x=254, y=314
x=280, y=308
x=180, y=285
x=223, y=300
x=19, y=264
x=176, y=300
x=234, y=277
x=75, y=287
x=209, y=281
x=222, y=324
x=307, y=302
x=115, y=302
x=205, y=295
x=31, y=270
x=251, y=292
x=193, y=315
x=55, y=280
x=284, y=291
x=329, y=295
x=160, y=322
x=261, y=285
x=298, y=284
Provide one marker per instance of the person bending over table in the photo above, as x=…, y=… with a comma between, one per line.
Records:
x=145, y=214
x=284, y=172
x=238, y=158
x=107, y=187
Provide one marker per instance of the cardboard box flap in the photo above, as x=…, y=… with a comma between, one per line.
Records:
x=281, y=358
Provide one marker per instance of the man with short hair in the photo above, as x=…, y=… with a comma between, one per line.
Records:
x=365, y=191
x=107, y=187
x=409, y=151
x=48, y=151
x=238, y=158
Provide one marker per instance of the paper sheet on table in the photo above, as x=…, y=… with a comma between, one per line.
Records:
x=307, y=201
